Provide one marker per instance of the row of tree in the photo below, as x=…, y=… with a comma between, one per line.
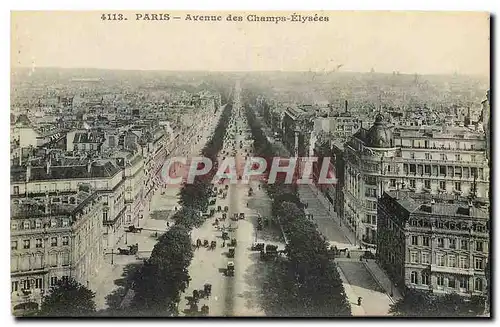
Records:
x=313, y=278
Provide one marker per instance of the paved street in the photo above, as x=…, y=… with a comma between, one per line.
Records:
x=236, y=295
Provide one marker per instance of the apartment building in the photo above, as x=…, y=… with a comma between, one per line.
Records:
x=421, y=159
x=435, y=243
x=51, y=239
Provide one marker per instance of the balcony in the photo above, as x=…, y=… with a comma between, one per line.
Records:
x=452, y=270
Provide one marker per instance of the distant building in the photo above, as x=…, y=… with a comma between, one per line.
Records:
x=435, y=243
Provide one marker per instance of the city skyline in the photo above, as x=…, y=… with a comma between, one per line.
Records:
x=82, y=40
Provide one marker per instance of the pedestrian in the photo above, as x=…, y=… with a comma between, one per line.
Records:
x=168, y=224
x=359, y=300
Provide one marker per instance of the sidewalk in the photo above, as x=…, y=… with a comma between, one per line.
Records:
x=383, y=280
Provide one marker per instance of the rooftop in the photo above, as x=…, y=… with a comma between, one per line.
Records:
x=442, y=205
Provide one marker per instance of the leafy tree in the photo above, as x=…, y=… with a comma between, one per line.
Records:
x=165, y=275
x=68, y=298
x=417, y=303
x=188, y=217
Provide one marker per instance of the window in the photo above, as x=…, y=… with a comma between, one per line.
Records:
x=440, y=260
x=478, y=284
x=16, y=190
x=414, y=257
x=428, y=156
x=53, y=281
x=452, y=261
x=39, y=283
x=443, y=157
x=65, y=240
x=15, y=286
x=440, y=242
x=65, y=222
x=413, y=168
x=38, y=224
x=104, y=215
x=427, y=169
x=26, y=284
x=458, y=186
x=478, y=263
x=65, y=278
x=53, y=241
x=393, y=183
x=452, y=243
x=464, y=283
x=412, y=155
x=451, y=282
x=65, y=259
x=473, y=158
x=412, y=183
x=463, y=262
x=26, y=244
x=479, y=246
x=427, y=184
x=13, y=245
x=53, y=260
x=414, y=277
x=464, y=244
x=425, y=240
x=457, y=157
x=425, y=257
x=425, y=279
x=442, y=185
x=414, y=240
x=440, y=280
x=53, y=223
x=26, y=225
x=38, y=243
x=442, y=170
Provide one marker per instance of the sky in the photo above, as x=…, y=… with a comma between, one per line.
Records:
x=408, y=42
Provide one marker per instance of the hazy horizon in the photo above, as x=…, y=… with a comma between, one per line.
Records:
x=426, y=43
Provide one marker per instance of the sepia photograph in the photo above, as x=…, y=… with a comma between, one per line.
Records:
x=322, y=164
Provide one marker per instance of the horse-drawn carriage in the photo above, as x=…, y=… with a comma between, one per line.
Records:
x=226, y=208
x=224, y=216
x=133, y=229
x=225, y=236
x=213, y=245
x=212, y=202
x=257, y=247
x=242, y=215
x=230, y=269
x=250, y=191
x=230, y=254
x=132, y=249
x=219, y=208
x=271, y=252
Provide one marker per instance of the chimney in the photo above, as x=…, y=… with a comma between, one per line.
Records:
x=47, y=203
x=346, y=110
x=28, y=171
x=48, y=164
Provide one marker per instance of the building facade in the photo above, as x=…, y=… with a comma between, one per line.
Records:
x=53, y=240
x=422, y=160
x=435, y=243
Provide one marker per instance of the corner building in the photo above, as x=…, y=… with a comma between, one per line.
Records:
x=423, y=159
